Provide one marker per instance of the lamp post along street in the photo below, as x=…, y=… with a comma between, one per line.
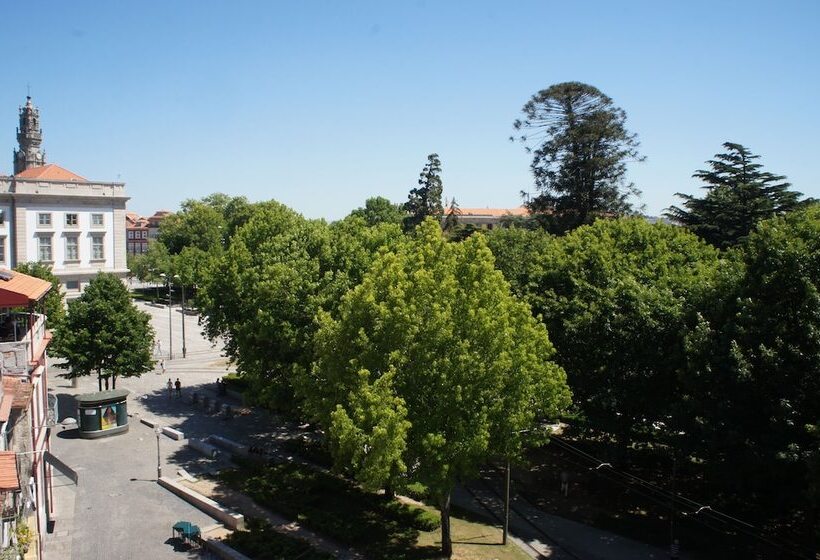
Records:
x=184, y=349
x=506, y=504
x=158, y=431
x=170, y=319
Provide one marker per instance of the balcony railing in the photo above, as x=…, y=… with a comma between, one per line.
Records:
x=17, y=342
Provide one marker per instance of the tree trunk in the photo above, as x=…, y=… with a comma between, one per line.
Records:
x=106, y=383
x=99, y=380
x=113, y=381
x=446, y=538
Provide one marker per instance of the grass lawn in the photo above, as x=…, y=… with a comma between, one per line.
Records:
x=473, y=541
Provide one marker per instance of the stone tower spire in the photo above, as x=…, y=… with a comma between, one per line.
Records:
x=29, y=136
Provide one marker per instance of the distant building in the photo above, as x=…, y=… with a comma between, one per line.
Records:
x=155, y=221
x=136, y=234
x=54, y=216
x=488, y=218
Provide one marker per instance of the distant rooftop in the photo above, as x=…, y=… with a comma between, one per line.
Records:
x=494, y=212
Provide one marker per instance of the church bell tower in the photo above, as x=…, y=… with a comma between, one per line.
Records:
x=29, y=137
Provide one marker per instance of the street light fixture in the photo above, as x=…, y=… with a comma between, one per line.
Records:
x=184, y=349
x=158, y=432
x=170, y=319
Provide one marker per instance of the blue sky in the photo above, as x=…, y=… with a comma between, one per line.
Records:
x=321, y=104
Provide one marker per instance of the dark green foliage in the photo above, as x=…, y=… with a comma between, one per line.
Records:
x=54, y=305
x=425, y=200
x=104, y=333
x=753, y=372
x=739, y=194
x=261, y=542
x=379, y=527
x=451, y=219
x=580, y=148
x=379, y=210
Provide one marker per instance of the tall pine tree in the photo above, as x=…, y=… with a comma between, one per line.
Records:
x=425, y=200
x=739, y=194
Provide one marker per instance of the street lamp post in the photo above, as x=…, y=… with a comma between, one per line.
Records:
x=170, y=320
x=506, y=504
x=158, y=432
x=184, y=349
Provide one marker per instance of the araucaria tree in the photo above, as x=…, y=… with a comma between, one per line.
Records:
x=739, y=194
x=104, y=333
x=580, y=148
x=425, y=200
x=430, y=367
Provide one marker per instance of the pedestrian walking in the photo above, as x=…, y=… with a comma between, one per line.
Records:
x=170, y=386
x=178, y=385
x=162, y=365
x=564, y=483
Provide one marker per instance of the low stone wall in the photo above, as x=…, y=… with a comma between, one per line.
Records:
x=228, y=517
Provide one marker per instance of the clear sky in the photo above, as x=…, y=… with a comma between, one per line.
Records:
x=321, y=104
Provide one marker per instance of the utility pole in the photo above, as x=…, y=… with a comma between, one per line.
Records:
x=184, y=349
x=506, y=504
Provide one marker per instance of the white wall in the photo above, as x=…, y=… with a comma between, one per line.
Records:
x=5, y=232
x=59, y=230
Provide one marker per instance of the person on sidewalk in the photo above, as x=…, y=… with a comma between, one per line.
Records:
x=178, y=385
x=170, y=386
x=162, y=365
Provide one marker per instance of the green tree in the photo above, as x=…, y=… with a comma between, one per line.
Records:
x=54, y=304
x=580, y=148
x=451, y=219
x=615, y=297
x=425, y=200
x=379, y=210
x=198, y=225
x=739, y=194
x=431, y=367
x=104, y=333
x=753, y=371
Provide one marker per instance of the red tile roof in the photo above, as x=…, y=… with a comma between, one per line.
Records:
x=21, y=289
x=495, y=212
x=8, y=471
x=18, y=389
x=51, y=172
x=5, y=407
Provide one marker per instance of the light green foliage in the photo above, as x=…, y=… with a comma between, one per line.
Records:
x=148, y=266
x=432, y=329
x=54, y=305
x=614, y=296
x=197, y=225
x=104, y=333
x=379, y=210
x=278, y=272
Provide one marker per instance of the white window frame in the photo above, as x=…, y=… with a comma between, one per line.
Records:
x=76, y=220
x=40, y=247
x=95, y=246
x=44, y=219
x=94, y=216
x=3, y=248
x=76, y=240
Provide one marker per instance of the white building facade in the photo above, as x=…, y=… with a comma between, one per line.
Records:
x=51, y=215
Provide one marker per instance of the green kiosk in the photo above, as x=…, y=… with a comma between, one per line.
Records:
x=102, y=414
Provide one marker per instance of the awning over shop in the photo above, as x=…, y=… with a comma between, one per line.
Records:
x=8, y=471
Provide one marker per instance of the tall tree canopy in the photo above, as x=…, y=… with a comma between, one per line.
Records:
x=104, y=333
x=425, y=200
x=379, y=210
x=614, y=296
x=580, y=148
x=739, y=194
x=431, y=367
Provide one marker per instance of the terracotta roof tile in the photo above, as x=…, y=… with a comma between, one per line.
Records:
x=5, y=407
x=8, y=471
x=51, y=172
x=495, y=212
x=21, y=289
x=18, y=389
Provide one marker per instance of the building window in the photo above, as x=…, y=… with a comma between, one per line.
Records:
x=145, y=234
x=2, y=217
x=131, y=247
x=130, y=234
x=44, y=219
x=44, y=248
x=2, y=249
x=97, y=220
x=71, y=220
x=97, y=248
x=72, y=248
x=72, y=285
